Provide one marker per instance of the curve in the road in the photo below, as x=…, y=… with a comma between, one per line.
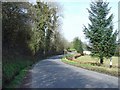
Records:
x=52, y=73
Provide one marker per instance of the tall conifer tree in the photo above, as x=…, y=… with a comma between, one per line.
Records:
x=100, y=30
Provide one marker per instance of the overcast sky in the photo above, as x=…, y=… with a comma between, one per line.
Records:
x=76, y=15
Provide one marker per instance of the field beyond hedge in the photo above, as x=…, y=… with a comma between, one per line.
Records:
x=91, y=63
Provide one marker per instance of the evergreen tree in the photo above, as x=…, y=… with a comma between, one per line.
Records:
x=77, y=44
x=100, y=31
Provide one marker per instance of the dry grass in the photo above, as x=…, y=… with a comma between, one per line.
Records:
x=96, y=60
x=91, y=63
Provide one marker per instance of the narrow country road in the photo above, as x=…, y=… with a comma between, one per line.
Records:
x=52, y=73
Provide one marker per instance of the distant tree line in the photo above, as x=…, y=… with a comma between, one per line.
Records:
x=78, y=45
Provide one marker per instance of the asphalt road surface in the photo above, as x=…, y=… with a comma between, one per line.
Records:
x=52, y=73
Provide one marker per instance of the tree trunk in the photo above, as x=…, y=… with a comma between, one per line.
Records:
x=101, y=60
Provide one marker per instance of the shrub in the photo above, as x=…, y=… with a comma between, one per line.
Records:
x=69, y=57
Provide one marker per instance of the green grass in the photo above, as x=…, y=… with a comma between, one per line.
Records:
x=72, y=49
x=16, y=83
x=12, y=67
x=91, y=63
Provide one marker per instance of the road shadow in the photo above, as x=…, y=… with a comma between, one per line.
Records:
x=56, y=57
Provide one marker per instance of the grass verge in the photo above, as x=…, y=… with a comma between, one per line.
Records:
x=13, y=68
x=90, y=66
x=18, y=79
